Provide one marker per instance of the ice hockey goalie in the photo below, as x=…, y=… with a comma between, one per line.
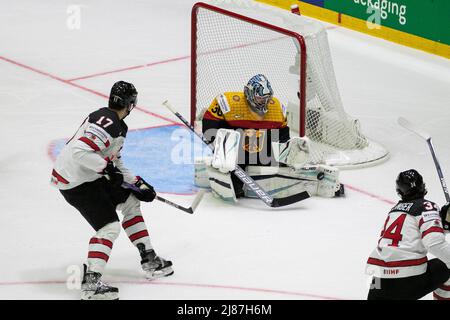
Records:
x=250, y=129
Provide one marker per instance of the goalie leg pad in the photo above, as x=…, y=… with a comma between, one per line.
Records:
x=327, y=177
x=278, y=182
x=226, y=149
x=320, y=181
x=201, y=177
x=221, y=184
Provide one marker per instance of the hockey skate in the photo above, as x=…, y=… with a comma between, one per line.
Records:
x=341, y=191
x=154, y=267
x=92, y=287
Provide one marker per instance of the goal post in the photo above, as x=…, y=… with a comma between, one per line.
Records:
x=232, y=40
x=233, y=15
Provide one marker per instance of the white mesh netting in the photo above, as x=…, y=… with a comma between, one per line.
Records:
x=230, y=50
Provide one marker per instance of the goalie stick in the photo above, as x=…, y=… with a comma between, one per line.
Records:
x=408, y=125
x=189, y=210
x=243, y=176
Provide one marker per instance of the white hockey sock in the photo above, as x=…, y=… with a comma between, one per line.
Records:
x=137, y=231
x=100, y=247
x=133, y=222
x=443, y=292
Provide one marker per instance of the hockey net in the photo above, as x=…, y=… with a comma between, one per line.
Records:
x=234, y=40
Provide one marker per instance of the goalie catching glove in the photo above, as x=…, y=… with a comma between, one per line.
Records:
x=146, y=192
x=293, y=153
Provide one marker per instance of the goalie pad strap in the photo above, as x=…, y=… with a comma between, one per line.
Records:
x=221, y=184
x=268, y=176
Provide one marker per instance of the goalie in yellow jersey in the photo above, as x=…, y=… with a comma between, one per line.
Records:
x=250, y=129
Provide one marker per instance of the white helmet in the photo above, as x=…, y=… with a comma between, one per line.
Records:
x=258, y=92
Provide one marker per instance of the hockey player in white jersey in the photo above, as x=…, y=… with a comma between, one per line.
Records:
x=414, y=227
x=443, y=292
x=89, y=174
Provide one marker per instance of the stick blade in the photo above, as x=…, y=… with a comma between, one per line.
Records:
x=168, y=105
x=411, y=127
x=281, y=202
x=197, y=200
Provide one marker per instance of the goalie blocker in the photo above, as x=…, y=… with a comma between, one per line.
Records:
x=290, y=178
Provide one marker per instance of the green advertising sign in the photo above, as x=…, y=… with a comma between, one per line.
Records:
x=429, y=19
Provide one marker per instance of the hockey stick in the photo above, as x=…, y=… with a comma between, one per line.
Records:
x=189, y=210
x=408, y=125
x=243, y=176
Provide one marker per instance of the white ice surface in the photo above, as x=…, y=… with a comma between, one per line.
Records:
x=316, y=249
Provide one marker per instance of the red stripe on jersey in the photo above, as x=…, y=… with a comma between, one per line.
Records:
x=393, y=264
x=445, y=288
x=438, y=297
x=90, y=143
x=104, y=242
x=432, y=229
x=132, y=222
x=59, y=177
x=247, y=124
x=98, y=255
x=107, y=143
x=256, y=124
x=139, y=235
x=421, y=222
x=209, y=116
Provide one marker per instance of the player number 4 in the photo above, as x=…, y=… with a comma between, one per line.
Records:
x=394, y=231
x=107, y=124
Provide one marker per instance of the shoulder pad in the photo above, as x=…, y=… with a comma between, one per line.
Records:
x=108, y=120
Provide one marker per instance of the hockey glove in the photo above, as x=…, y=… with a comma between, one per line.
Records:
x=114, y=174
x=146, y=192
x=445, y=216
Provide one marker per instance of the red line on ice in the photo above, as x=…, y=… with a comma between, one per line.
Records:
x=374, y=196
x=130, y=68
x=175, y=59
x=181, y=284
x=68, y=82
x=172, y=60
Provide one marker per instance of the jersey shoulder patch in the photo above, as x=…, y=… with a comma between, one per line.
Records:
x=284, y=110
x=108, y=120
x=428, y=216
x=223, y=103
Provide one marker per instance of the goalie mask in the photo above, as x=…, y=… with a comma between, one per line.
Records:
x=123, y=95
x=258, y=92
x=410, y=185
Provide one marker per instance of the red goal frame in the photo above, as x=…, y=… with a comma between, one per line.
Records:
x=289, y=33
